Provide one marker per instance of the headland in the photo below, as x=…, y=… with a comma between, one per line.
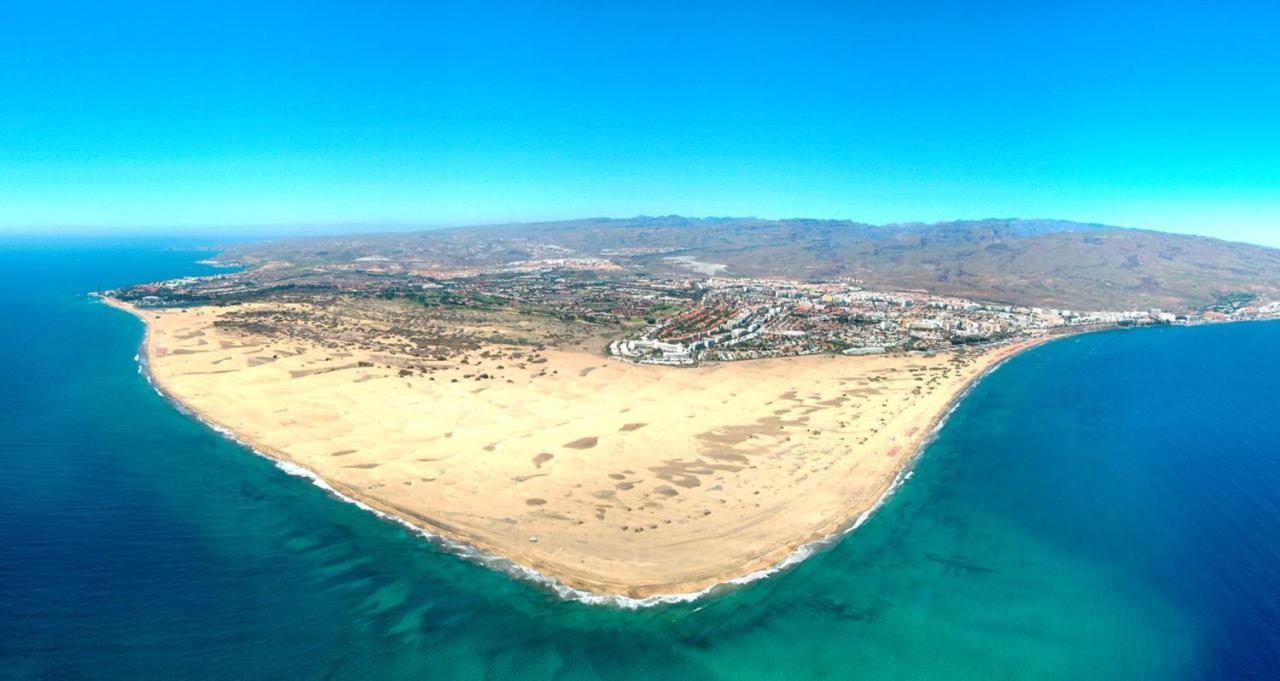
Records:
x=646, y=408
x=609, y=477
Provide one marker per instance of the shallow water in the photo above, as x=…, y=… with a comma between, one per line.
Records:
x=1104, y=506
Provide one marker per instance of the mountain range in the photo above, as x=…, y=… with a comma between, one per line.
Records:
x=1050, y=263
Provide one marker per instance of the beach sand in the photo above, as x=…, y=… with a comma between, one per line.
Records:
x=609, y=477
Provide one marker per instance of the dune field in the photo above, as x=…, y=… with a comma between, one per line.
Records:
x=610, y=477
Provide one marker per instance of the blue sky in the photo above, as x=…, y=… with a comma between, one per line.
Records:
x=197, y=115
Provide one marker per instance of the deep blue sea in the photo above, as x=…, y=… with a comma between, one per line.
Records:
x=1102, y=507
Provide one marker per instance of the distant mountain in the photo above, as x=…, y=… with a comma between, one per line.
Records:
x=1053, y=263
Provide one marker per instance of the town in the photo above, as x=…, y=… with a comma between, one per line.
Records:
x=683, y=321
x=738, y=319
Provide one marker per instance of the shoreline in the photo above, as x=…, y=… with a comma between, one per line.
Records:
x=592, y=592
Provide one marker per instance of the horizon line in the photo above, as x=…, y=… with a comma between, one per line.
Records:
x=287, y=230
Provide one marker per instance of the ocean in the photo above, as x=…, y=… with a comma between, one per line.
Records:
x=1105, y=506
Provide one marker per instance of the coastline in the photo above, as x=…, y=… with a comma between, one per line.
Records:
x=523, y=565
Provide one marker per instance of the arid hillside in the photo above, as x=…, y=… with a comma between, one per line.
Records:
x=1024, y=262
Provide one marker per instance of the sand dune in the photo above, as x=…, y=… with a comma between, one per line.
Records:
x=611, y=477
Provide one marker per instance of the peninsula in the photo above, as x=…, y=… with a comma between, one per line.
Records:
x=580, y=415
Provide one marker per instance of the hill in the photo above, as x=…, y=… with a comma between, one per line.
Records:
x=1050, y=263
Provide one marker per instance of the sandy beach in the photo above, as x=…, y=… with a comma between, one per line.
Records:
x=609, y=477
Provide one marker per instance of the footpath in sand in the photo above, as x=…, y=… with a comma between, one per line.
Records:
x=610, y=477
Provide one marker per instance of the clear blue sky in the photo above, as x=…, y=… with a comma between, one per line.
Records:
x=200, y=114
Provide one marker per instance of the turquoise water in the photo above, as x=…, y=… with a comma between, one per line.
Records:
x=1103, y=507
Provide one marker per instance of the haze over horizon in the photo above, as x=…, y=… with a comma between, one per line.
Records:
x=228, y=119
